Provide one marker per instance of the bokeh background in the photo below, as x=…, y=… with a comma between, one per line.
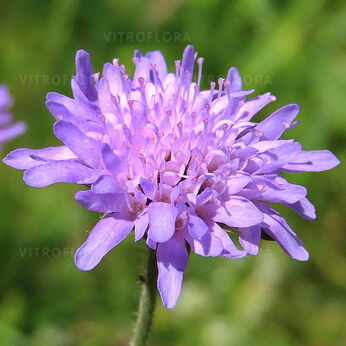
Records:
x=295, y=49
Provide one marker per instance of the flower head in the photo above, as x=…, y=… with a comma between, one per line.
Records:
x=173, y=163
x=7, y=129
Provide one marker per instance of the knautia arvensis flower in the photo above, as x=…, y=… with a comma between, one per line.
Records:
x=8, y=130
x=173, y=164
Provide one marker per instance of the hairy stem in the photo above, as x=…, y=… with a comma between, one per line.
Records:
x=146, y=303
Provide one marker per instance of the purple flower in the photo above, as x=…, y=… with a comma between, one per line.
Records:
x=7, y=129
x=174, y=164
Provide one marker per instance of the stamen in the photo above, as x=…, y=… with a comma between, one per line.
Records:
x=200, y=65
x=212, y=88
x=122, y=68
x=177, y=67
x=96, y=76
x=220, y=82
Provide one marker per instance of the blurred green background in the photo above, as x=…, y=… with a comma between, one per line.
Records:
x=296, y=50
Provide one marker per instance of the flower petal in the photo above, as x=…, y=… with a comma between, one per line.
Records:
x=141, y=225
x=304, y=208
x=64, y=171
x=251, y=107
x=273, y=188
x=26, y=158
x=172, y=258
x=148, y=187
x=113, y=76
x=157, y=58
x=107, y=233
x=229, y=248
x=188, y=62
x=238, y=212
x=249, y=238
x=236, y=182
x=277, y=228
x=83, y=146
x=162, y=218
x=235, y=79
x=312, y=161
x=101, y=202
x=209, y=245
x=12, y=131
x=106, y=184
x=196, y=226
x=84, y=75
x=275, y=125
x=111, y=161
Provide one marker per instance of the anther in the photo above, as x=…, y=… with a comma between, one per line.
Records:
x=141, y=81
x=259, y=133
x=96, y=76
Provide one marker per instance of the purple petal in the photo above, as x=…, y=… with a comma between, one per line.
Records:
x=277, y=157
x=106, y=184
x=6, y=100
x=172, y=258
x=142, y=70
x=75, y=111
x=111, y=161
x=229, y=249
x=197, y=227
x=5, y=117
x=101, y=202
x=83, y=146
x=304, y=208
x=235, y=79
x=162, y=218
x=106, y=103
x=312, y=161
x=65, y=171
x=26, y=158
x=141, y=225
x=276, y=227
x=236, y=182
x=148, y=187
x=107, y=233
x=249, y=238
x=188, y=61
x=84, y=75
x=275, y=125
x=157, y=58
x=251, y=107
x=11, y=132
x=238, y=212
x=209, y=245
x=275, y=189
x=151, y=243
x=113, y=75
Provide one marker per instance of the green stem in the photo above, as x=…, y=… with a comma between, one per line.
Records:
x=146, y=303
